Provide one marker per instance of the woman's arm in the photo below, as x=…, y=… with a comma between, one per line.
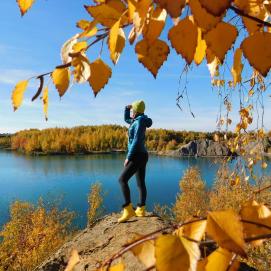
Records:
x=127, y=117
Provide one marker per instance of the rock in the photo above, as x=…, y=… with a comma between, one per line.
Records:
x=99, y=242
x=204, y=147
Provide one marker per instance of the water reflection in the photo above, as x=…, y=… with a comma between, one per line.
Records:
x=29, y=177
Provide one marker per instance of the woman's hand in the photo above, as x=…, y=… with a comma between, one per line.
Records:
x=126, y=162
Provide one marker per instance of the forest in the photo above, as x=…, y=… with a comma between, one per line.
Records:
x=88, y=139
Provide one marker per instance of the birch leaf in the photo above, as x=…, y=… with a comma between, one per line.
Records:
x=61, y=79
x=100, y=74
x=183, y=38
x=156, y=24
x=18, y=94
x=107, y=13
x=257, y=50
x=170, y=253
x=201, y=48
x=226, y=229
x=237, y=67
x=81, y=70
x=216, y=8
x=116, y=41
x=145, y=253
x=203, y=19
x=222, y=32
x=153, y=55
x=173, y=7
x=67, y=48
x=45, y=100
x=25, y=5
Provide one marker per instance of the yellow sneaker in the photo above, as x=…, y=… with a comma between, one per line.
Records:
x=128, y=212
x=140, y=211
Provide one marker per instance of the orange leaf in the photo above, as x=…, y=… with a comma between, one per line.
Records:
x=183, y=38
x=153, y=55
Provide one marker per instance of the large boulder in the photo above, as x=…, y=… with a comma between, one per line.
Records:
x=204, y=147
x=100, y=242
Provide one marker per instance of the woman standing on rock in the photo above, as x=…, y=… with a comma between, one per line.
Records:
x=136, y=160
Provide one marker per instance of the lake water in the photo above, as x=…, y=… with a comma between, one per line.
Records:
x=29, y=177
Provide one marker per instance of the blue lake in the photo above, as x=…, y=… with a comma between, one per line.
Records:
x=30, y=177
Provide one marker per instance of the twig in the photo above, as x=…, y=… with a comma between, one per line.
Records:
x=149, y=268
x=240, y=12
x=256, y=224
x=262, y=189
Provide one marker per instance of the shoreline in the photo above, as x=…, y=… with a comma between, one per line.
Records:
x=172, y=153
x=158, y=153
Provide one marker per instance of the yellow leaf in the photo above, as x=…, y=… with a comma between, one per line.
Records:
x=67, y=49
x=201, y=48
x=153, y=55
x=264, y=165
x=222, y=32
x=203, y=19
x=74, y=259
x=226, y=229
x=170, y=253
x=107, y=13
x=61, y=79
x=79, y=46
x=155, y=24
x=145, y=253
x=254, y=8
x=18, y=94
x=89, y=28
x=140, y=15
x=100, y=74
x=254, y=212
x=173, y=7
x=237, y=67
x=212, y=63
x=216, y=8
x=194, y=230
x=131, y=9
x=193, y=251
x=25, y=5
x=132, y=36
x=116, y=41
x=257, y=50
x=81, y=66
x=220, y=259
x=183, y=38
x=45, y=100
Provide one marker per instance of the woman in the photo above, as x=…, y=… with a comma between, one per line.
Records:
x=136, y=160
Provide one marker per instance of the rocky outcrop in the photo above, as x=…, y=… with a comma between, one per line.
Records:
x=204, y=147
x=98, y=243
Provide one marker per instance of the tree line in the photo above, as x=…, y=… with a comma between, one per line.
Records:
x=88, y=139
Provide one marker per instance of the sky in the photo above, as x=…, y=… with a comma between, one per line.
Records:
x=31, y=45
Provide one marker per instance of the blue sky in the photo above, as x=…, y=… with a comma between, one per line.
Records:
x=31, y=45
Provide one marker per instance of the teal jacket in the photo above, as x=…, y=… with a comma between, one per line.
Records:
x=136, y=133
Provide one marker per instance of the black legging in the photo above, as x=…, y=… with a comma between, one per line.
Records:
x=136, y=165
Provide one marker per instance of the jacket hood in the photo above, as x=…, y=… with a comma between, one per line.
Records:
x=144, y=118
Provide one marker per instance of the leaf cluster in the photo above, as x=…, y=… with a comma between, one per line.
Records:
x=199, y=30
